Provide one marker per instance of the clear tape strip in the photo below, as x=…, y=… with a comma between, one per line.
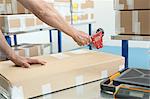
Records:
x=14, y=6
x=27, y=52
x=78, y=81
x=118, y=5
x=17, y=92
x=46, y=88
x=118, y=27
x=104, y=74
x=135, y=22
x=130, y=4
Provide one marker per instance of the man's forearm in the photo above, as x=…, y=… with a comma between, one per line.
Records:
x=48, y=14
x=5, y=47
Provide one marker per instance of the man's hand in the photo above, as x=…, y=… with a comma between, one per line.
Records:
x=26, y=62
x=81, y=38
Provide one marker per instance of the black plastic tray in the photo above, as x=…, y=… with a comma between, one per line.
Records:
x=134, y=76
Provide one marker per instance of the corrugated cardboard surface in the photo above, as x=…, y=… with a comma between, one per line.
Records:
x=133, y=22
x=62, y=70
x=131, y=4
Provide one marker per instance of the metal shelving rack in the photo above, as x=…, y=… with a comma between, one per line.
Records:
x=125, y=46
x=8, y=38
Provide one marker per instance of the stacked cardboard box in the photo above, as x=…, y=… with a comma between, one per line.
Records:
x=82, y=11
x=18, y=20
x=132, y=17
x=63, y=70
x=131, y=4
x=20, y=23
x=30, y=50
x=15, y=19
x=11, y=7
x=14, y=7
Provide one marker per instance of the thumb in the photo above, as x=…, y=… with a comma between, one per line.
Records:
x=25, y=65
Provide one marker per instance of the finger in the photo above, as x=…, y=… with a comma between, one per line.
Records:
x=36, y=61
x=42, y=62
x=78, y=41
x=80, y=44
x=87, y=41
x=25, y=65
x=83, y=42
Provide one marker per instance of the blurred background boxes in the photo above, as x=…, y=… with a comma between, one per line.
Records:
x=132, y=17
x=80, y=18
x=20, y=23
x=11, y=7
x=133, y=22
x=18, y=19
x=82, y=5
x=31, y=50
x=131, y=4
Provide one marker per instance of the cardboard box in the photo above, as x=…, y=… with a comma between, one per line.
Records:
x=81, y=18
x=12, y=7
x=21, y=23
x=30, y=50
x=20, y=52
x=131, y=4
x=133, y=22
x=63, y=70
x=78, y=5
x=10, y=23
x=82, y=5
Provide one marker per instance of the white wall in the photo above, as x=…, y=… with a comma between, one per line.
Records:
x=105, y=18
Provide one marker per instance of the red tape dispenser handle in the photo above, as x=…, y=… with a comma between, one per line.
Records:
x=97, y=39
